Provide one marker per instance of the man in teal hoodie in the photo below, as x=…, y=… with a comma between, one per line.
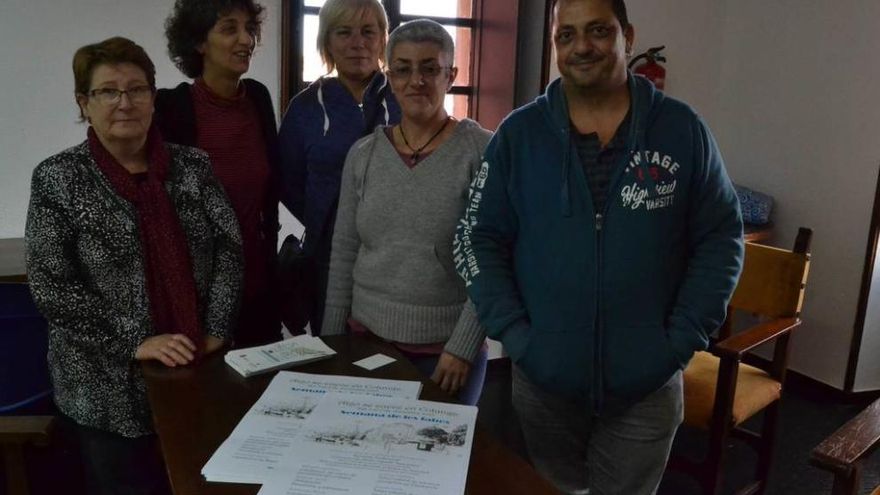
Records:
x=601, y=244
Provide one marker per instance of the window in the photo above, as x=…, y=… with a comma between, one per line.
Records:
x=301, y=31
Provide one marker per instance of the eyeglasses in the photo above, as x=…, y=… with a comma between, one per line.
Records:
x=112, y=96
x=405, y=72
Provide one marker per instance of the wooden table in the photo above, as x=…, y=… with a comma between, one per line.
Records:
x=196, y=408
x=12, y=266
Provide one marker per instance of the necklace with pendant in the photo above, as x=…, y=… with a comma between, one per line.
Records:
x=416, y=153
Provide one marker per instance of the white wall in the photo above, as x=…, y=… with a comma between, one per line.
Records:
x=692, y=31
x=38, y=116
x=868, y=372
x=798, y=120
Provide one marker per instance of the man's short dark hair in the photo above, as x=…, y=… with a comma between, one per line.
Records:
x=618, y=6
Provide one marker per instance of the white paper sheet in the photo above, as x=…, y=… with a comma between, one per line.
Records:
x=372, y=445
x=258, y=448
x=374, y=361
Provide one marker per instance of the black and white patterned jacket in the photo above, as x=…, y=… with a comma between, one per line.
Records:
x=86, y=274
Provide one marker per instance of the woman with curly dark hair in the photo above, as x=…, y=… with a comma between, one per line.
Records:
x=212, y=41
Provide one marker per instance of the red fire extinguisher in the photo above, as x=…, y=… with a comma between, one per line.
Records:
x=655, y=72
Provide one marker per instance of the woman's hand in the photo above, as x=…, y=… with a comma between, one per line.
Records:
x=212, y=344
x=171, y=349
x=451, y=373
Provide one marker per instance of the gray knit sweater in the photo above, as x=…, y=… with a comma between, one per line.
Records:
x=391, y=266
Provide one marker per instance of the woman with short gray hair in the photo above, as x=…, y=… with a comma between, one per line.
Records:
x=420, y=31
x=404, y=188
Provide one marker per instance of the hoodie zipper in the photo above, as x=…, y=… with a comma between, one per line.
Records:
x=598, y=394
x=598, y=398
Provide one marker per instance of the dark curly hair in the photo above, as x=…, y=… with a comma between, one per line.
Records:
x=188, y=25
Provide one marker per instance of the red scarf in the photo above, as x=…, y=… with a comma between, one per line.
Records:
x=171, y=286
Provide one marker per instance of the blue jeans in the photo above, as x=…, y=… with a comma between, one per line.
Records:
x=469, y=394
x=621, y=454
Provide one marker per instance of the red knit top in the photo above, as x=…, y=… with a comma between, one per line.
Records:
x=229, y=131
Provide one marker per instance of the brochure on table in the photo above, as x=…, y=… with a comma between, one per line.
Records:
x=258, y=447
x=377, y=445
x=298, y=350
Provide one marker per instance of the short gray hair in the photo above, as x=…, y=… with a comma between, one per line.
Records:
x=422, y=31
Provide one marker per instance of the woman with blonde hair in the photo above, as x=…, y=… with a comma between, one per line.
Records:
x=325, y=119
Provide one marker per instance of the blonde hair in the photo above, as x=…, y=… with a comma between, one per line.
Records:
x=335, y=12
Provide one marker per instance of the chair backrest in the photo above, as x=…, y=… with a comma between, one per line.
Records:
x=24, y=374
x=773, y=279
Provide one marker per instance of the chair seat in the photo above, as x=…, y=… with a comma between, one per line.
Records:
x=876, y=491
x=755, y=390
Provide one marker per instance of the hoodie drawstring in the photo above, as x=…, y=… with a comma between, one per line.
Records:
x=323, y=107
x=384, y=99
x=638, y=137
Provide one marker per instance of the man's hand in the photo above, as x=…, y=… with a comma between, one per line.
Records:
x=171, y=349
x=451, y=373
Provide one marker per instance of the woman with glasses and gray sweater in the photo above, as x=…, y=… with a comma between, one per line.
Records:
x=404, y=188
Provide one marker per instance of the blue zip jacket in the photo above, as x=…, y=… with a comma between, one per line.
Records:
x=601, y=307
x=320, y=125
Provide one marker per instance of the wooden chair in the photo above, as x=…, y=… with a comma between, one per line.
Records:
x=24, y=383
x=720, y=391
x=843, y=451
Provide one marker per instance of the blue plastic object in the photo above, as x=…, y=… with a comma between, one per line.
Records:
x=24, y=375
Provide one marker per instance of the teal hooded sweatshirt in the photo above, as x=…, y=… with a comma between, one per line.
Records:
x=601, y=307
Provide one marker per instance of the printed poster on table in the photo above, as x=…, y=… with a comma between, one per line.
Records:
x=258, y=447
x=374, y=445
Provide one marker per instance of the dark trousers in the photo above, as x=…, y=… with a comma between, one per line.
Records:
x=117, y=465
